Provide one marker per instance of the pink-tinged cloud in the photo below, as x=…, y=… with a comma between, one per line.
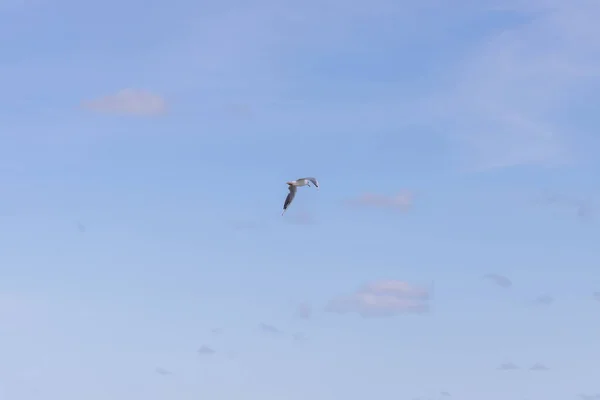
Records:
x=397, y=288
x=382, y=299
x=401, y=201
x=129, y=102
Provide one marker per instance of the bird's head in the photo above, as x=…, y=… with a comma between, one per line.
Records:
x=290, y=183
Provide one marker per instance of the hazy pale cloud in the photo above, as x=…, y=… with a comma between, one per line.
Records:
x=270, y=329
x=206, y=351
x=304, y=311
x=242, y=111
x=544, y=300
x=299, y=337
x=162, y=371
x=539, y=367
x=583, y=209
x=509, y=366
x=81, y=228
x=129, y=101
x=381, y=299
x=300, y=218
x=445, y=394
x=597, y=295
x=509, y=101
x=401, y=201
x=18, y=310
x=245, y=225
x=595, y=396
x=499, y=280
x=216, y=331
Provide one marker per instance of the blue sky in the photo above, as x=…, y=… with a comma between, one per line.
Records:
x=168, y=131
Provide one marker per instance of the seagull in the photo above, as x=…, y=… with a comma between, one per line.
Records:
x=293, y=187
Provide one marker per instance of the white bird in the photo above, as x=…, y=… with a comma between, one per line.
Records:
x=293, y=187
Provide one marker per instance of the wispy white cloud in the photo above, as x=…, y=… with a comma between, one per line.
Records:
x=401, y=201
x=129, y=101
x=516, y=92
x=509, y=95
x=382, y=299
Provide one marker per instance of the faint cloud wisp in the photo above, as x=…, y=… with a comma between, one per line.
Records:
x=545, y=300
x=162, y=371
x=509, y=366
x=499, y=280
x=401, y=201
x=129, y=102
x=206, y=351
x=595, y=396
x=539, y=367
x=582, y=208
x=304, y=311
x=269, y=329
x=382, y=299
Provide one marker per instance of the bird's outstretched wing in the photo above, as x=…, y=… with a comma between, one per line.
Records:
x=314, y=181
x=289, y=198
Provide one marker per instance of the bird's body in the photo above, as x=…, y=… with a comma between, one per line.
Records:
x=293, y=187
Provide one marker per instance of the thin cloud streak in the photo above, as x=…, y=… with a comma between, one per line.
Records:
x=509, y=366
x=401, y=201
x=206, y=351
x=583, y=209
x=304, y=311
x=545, y=300
x=595, y=396
x=499, y=280
x=382, y=299
x=129, y=102
x=539, y=367
x=269, y=329
x=162, y=371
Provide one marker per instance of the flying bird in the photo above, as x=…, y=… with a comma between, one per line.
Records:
x=293, y=187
